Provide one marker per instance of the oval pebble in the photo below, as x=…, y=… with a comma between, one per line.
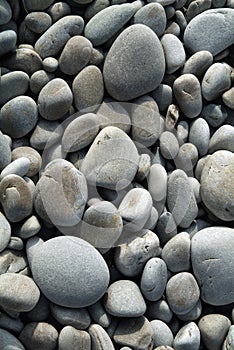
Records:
x=50, y=64
x=5, y=232
x=77, y=318
x=29, y=228
x=19, y=167
x=199, y=135
x=36, y=5
x=159, y=310
x=12, y=85
x=222, y=139
x=198, y=63
x=169, y=146
x=45, y=134
x=100, y=338
x=39, y=79
x=72, y=339
x=187, y=158
x=8, y=40
x=162, y=333
x=5, y=12
x=188, y=337
x=8, y=340
x=58, y=10
x=174, y=52
x=23, y=59
x=5, y=152
x=228, y=98
x=166, y=227
x=163, y=96
x=39, y=334
x=99, y=314
x=38, y=22
x=33, y=156
x=216, y=80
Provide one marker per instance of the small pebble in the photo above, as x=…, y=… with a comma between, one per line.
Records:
x=198, y=63
x=100, y=338
x=38, y=22
x=199, y=135
x=19, y=167
x=8, y=40
x=222, y=139
x=72, y=339
x=169, y=145
x=162, y=333
x=37, y=335
x=188, y=337
x=50, y=64
x=174, y=52
x=77, y=318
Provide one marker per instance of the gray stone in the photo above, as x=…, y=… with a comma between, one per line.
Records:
x=99, y=315
x=217, y=184
x=88, y=88
x=46, y=133
x=229, y=341
x=36, y=5
x=197, y=7
x=41, y=311
x=75, y=55
x=163, y=96
x=54, y=99
x=196, y=188
x=193, y=314
x=187, y=158
x=10, y=324
x=214, y=328
x=97, y=57
x=100, y=338
x=18, y=293
x=5, y=12
x=38, y=22
x=8, y=40
x=173, y=29
x=228, y=98
x=187, y=92
x=5, y=232
x=12, y=261
x=33, y=156
x=188, y=338
x=124, y=299
x=95, y=7
x=23, y=59
x=39, y=79
x=8, y=340
x=174, y=52
x=169, y=146
x=112, y=160
x=222, y=139
x=19, y=167
x=153, y=16
x=208, y=259
x=210, y=22
x=39, y=335
x=157, y=184
x=16, y=243
x=77, y=318
x=198, y=63
x=154, y=279
x=50, y=64
x=182, y=132
x=143, y=167
x=70, y=259
x=125, y=81
x=172, y=117
x=162, y=333
x=53, y=40
x=182, y=292
x=166, y=227
x=18, y=116
x=159, y=310
x=13, y=84
x=58, y=10
x=5, y=152
x=199, y=135
x=176, y=253
x=72, y=339
x=216, y=80
x=181, y=20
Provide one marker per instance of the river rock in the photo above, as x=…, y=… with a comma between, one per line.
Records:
x=72, y=339
x=153, y=16
x=8, y=340
x=222, y=139
x=5, y=232
x=78, y=318
x=216, y=80
x=13, y=84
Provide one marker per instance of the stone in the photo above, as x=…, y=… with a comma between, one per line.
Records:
x=199, y=135
x=217, y=184
x=95, y=7
x=18, y=116
x=169, y=146
x=58, y=10
x=39, y=335
x=182, y=132
x=166, y=227
x=50, y=64
x=154, y=279
x=214, y=328
x=210, y=22
x=10, y=324
x=174, y=52
x=53, y=40
x=142, y=45
x=163, y=96
x=5, y=232
x=5, y=12
x=157, y=183
x=99, y=315
x=38, y=21
x=229, y=341
x=39, y=79
x=23, y=59
x=13, y=84
x=72, y=339
x=208, y=259
x=188, y=337
x=198, y=63
x=193, y=314
x=54, y=99
x=36, y=5
x=216, y=80
x=41, y=311
x=195, y=8
x=33, y=156
x=143, y=167
x=124, y=299
x=5, y=152
x=71, y=259
x=222, y=139
x=12, y=261
x=100, y=338
x=18, y=292
x=159, y=310
x=8, y=40
x=45, y=134
x=153, y=16
x=182, y=292
x=228, y=98
x=187, y=158
x=162, y=333
x=77, y=318
x=8, y=340
x=196, y=186
x=19, y=167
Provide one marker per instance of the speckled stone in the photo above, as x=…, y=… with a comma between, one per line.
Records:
x=152, y=15
x=198, y=63
x=77, y=318
x=222, y=139
x=13, y=84
x=38, y=335
x=72, y=339
x=162, y=333
x=188, y=337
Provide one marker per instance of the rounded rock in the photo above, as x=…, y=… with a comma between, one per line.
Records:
x=58, y=10
x=12, y=85
x=199, y=135
x=169, y=145
x=45, y=134
x=39, y=335
x=78, y=318
x=5, y=152
x=5, y=232
x=72, y=339
x=38, y=22
x=23, y=59
x=188, y=337
x=222, y=139
x=100, y=338
x=159, y=310
x=162, y=333
x=187, y=158
x=228, y=98
x=198, y=63
x=8, y=340
x=39, y=79
x=37, y=5
x=174, y=52
x=163, y=96
x=33, y=156
x=50, y=64
x=216, y=80
x=5, y=12
x=8, y=40
x=19, y=167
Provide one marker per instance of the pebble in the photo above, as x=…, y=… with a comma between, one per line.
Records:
x=181, y=20
x=88, y=88
x=187, y=92
x=95, y=7
x=188, y=337
x=50, y=64
x=33, y=156
x=172, y=28
x=163, y=96
x=37, y=335
x=222, y=139
x=77, y=318
x=100, y=338
x=214, y=328
x=12, y=261
x=52, y=41
x=58, y=10
x=10, y=324
x=174, y=52
x=199, y=135
x=228, y=98
x=124, y=299
x=159, y=310
x=29, y=228
x=38, y=22
x=41, y=311
x=8, y=40
x=64, y=258
x=39, y=79
x=153, y=16
x=12, y=85
x=5, y=12
x=217, y=184
x=36, y=5
x=162, y=333
x=134, y=80
x=45, y=134
x=7, y=340
x=182, y=132
x=5, y=152
x=154, y=279
x=182, y=292
x=18, y=116
x=143, y=167
x=172, y=117
x=166, y=227
x=176, y=253
x=72, y=339
x=5, y=232
x=214, y=114
x=196, y=188
x=169, y=145
x=198, y=63
x=187, y=158
x=19, y=167
x=99, y=315
x=54, y=99
x=18, y=292
x=23, y=59
x=210, y=22
x=193, y=314
x=195, y=8
x=229, y=341
x=208, y=259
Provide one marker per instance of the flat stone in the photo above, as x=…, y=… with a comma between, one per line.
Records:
x=38, y=335
x=77, y=318
x=72, y=339
x=100, y=338
x=188, y=337
x=153, y=16
x=19, y=167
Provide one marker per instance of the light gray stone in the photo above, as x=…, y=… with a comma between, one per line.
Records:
x=228, y=98
x=5, y=232
x=39, y=335
x=174, y=52
x=153, y=16
x=72, y=339
x=77, y=318
x=13, y=84
x=169, y=145
x=162, y=333
x=199, y=135
x=5, y=151
x=222, y=139
x=33, y=156
x=100, y=338
x=19, y=167
x=198, y=63
x=188, y=337
x=39, y=79
x=187, y=158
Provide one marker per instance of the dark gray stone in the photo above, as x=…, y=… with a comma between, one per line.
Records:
x=222, y=139
x=153, y=16
x=38, y=22
x=8, y=40
x=39, y=335
x=45, y=134
x=13, y=84
x=199, y=135
x=8, y=340
x=77, y=318
x=198, y=63
x=216, y=80
x=39, y=79
x=5, y=12
x=23, y=59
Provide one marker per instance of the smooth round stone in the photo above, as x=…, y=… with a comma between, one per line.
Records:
x=8, y=340
x=78, y=318
x=163, y=96
x=195, y=9
x=97, y=57
x=217, y=188
x=214, y=114
x=172, y=28
x=131, y=257
x=159, y=310
x=23, y=59
x=39, y=79
x=141, y=44
x=72, y=339
x=135, y=209
x=54, y=99
x=36, y=5
x=75, y=55
x=162, y=333
x=8, y=40
x=172, y=117
x=54, y=39
x=5, y=232
x=154, y=279
x=124, y=299
x=38, y=22
x=216, y=80
x=5, y=12
x=214, y=328
x=16, y=197
x=199, y=135
x=12, y=261
x=169, y=146
x=19, y=167
x=88, y=88
x=19, y=116
x=143, y=167
x=187, y=158
x=222, y=139
x=188, y=337
x=112, y=160
x=166, y=227
x=164, y=348
x=10, y=324
x=208, y=259
x=99, y=315
x=153, y=16
x=182, y=292
x=61, y=193
x=229, y=341
x=145, y=118
x=39, y=335
x=45, y=134
x=18, y=292
x=210, y=22
x=5, y=152
x=193, y=314
x=180, y=199
x=198, y=63
x=50, y=64
x=187, y=92
x=195, y=184
x=16, y=243
x=58, y=10
x=137, y=333
x=70, y=259
x=228, y=98
x=100, y=338
x=182, y=132
x=13, y=84
x=176, y=253
x=174, y=52
x=33, y=156
x=29, y=228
